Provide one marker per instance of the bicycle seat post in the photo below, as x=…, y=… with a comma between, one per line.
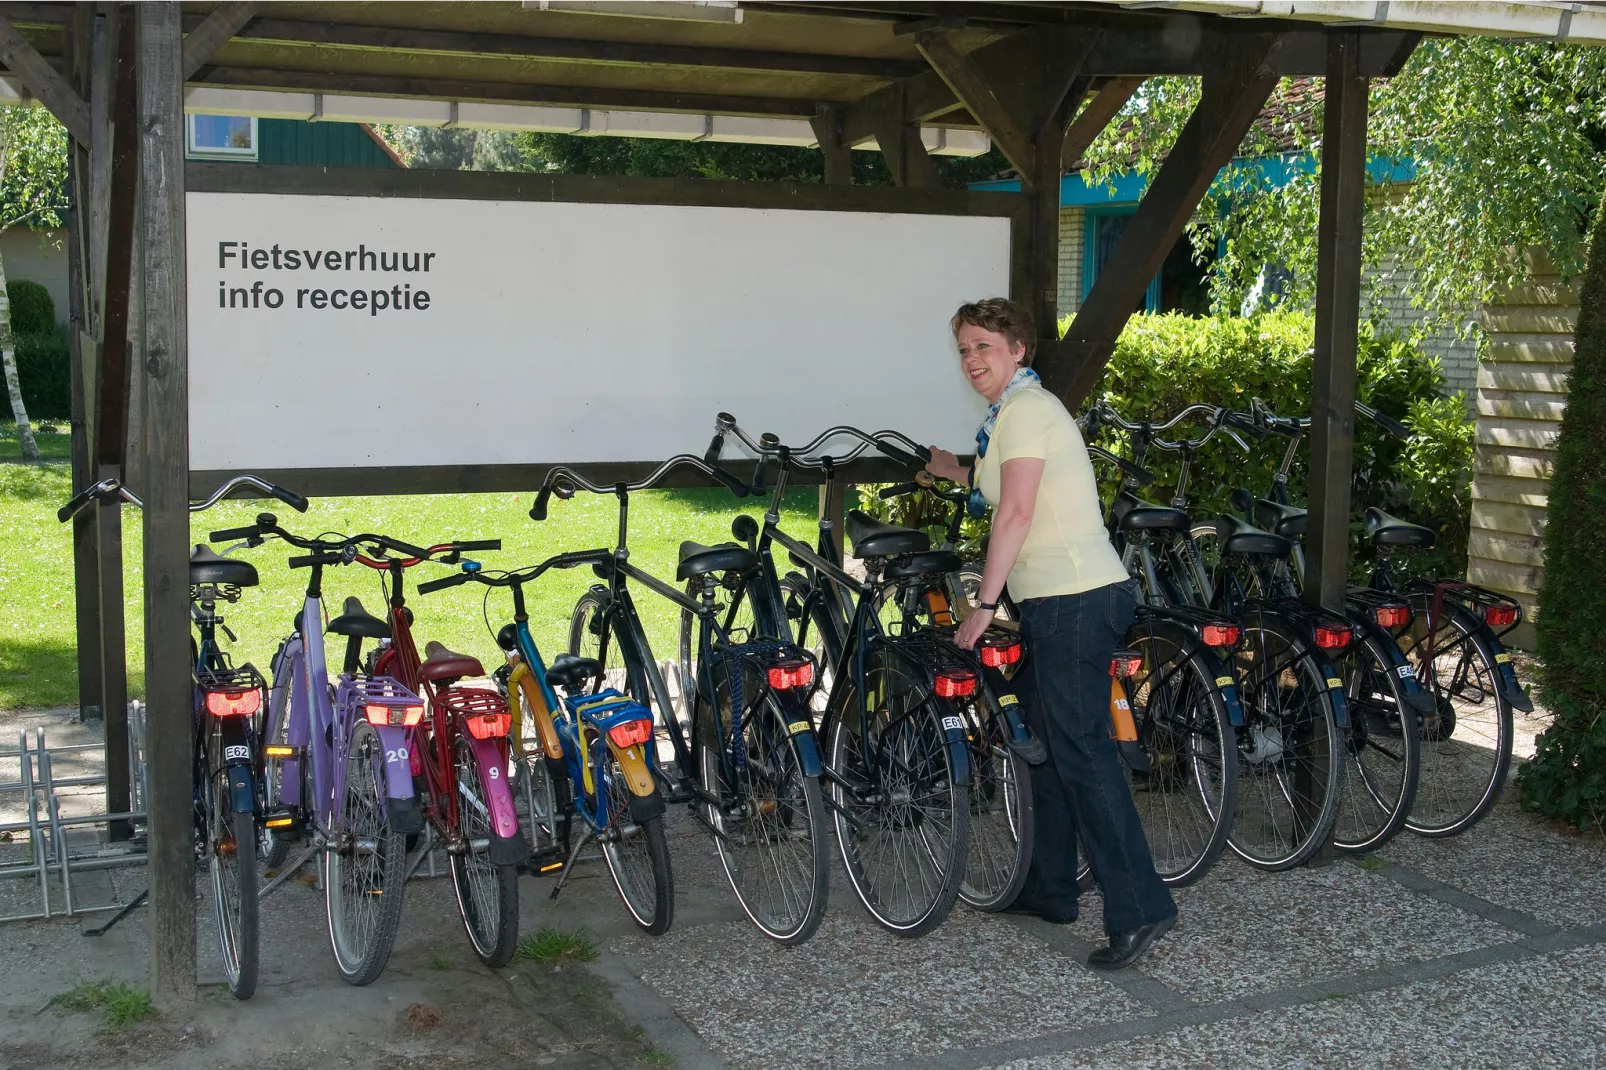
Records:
x=622, y=492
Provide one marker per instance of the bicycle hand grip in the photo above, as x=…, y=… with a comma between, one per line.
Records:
x=444, y=582
x=308, y=560
x=1387, y=423
x=470, y=545
x=757, y=486
x=897, y=490
x=75, y=503
x=1245, y=423
x=288, y=497
x=538, y=510
x=233, y=534
x=715, y=448
x=902, y=456
x=734, y=485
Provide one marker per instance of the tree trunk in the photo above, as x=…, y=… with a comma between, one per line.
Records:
x=8, y=352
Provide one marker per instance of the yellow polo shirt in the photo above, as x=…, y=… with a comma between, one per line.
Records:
x=1067, y=550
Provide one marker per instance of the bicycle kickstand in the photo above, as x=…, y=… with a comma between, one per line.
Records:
x=290, y=870
x=569, y=865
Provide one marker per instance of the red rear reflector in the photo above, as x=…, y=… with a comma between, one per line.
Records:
x=1392, y=616
x=380, y=716
x=233, y=703
x=790, y=674
x=489, y=725
x=1500, y=616
x=1332, y=638
x=1126, y=665
x=631, y=733
x=955, y=683
x=994, y=656
x=1219, y=634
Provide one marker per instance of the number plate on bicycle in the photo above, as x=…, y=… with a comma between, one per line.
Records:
x=953, y=724
x=233, y=752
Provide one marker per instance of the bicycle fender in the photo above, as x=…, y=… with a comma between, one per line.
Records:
x=1021, y=738
x=398, y=760
x=646, y=807
x=953, y=730
x=242, y=796
x=491, y=762
x=239, y=761
x=1219, y=671
x=1335, y=688
x=1510, y=689
x=800, y=726
x=1329, y=674
x=1415, y=694
x=633, y=762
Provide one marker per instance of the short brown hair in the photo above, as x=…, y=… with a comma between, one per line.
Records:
x=1001, y=316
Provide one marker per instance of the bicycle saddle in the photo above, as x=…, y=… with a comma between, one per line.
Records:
x=354, y=620
x=1134, y=514
x=570, y=672
x=1386, y=530
x=207, y=566
x=442, y=664
x=1286, y=520
x=871, y=538
x=697, y=559
x=1238, y=537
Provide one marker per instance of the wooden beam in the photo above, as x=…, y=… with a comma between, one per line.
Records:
x=165, y=447
x=827, y=123
x=113, y=393
x=44, y=81
x=566, y=49
x=964, y=77
x=1233, y=94
x=900, y=144
x=924, y=96
x=493, y=92
x=1338, y=297
x=213, y=32
x=1092, y=120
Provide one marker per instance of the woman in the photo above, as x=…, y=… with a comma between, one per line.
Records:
x=1076, y=602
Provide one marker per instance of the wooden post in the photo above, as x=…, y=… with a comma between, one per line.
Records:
x=162, y=365
x=1338, y=295
x=827, y=124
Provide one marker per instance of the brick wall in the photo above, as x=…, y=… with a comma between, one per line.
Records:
x=1073, y=234
x=1458, y=357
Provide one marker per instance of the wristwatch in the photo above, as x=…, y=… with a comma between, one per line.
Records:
x=991, y=607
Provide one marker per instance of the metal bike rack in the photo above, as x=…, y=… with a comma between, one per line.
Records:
x=51, y=853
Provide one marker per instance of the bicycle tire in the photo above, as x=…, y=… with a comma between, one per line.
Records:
x=1002, y=813
x=1187, y=799
x=591, y=636
x=1382, y=750
x=637, y=855
x=487, y=894
x=783, y=808
x=373, y=894
x=1285, y=693
x=1458, y=782
x=865, y=829
x=234, y=895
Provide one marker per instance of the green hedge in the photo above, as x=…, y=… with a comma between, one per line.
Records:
x=44, y=369
x=32, y=308
x=1162, y=363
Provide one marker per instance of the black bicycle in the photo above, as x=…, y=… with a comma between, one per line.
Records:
x=750, y=768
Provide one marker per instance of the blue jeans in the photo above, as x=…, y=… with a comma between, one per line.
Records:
x=1065, y=687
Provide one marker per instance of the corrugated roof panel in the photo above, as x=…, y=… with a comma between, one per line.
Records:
x=304, y=144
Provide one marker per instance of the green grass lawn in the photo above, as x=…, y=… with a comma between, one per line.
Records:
x=37, y=658
x=52, y=446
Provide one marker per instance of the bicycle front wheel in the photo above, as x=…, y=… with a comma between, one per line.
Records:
x=1382, y=750
x=232, y=862
x=902, y=820
x=487, y=894
x=637, y=855
x=364, y=866
x=1290, y=757
x=1466, y=742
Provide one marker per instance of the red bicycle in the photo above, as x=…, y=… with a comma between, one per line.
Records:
x=460, y=760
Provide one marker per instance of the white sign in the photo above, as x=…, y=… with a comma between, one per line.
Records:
x=364, y=331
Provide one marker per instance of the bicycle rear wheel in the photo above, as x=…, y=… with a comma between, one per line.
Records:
x=1466, y=743
x=769, y=820
x=1187, y=798
x=487, y=894
x=902, y=821
x=1291, y=763
x=1002, y=816
x=232, y=864
x=1382, y=750
x=637, y=855
x=364, y=867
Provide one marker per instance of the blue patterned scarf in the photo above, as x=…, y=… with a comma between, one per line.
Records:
x=977, y=505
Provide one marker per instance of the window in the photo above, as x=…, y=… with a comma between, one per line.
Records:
x=1104, y=230
x=1181, y=285
x=220, y=137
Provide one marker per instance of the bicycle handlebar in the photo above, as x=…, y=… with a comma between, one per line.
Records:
x=570, y=559
x=104, y=489
x=1260, y=413
x=562, y=481
x=108, y=487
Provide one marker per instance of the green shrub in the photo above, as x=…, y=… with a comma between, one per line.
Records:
x=1567, y=777
x=1163, y=363
x=32, y=308
x=45, y=372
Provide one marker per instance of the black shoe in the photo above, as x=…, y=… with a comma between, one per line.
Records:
x=1126, y=948
x=1028, y=909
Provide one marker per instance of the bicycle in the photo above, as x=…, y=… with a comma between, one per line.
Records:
x=339, y=771
x=1446, y=656
x=230, y=802
x=1290, y=755
x=751, y=768
x=896, y=716
x=592, y=756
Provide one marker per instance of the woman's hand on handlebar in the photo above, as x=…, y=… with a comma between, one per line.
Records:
x=945, y=465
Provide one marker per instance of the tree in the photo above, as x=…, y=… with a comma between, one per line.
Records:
x=33, y=176
x=1567, y=777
